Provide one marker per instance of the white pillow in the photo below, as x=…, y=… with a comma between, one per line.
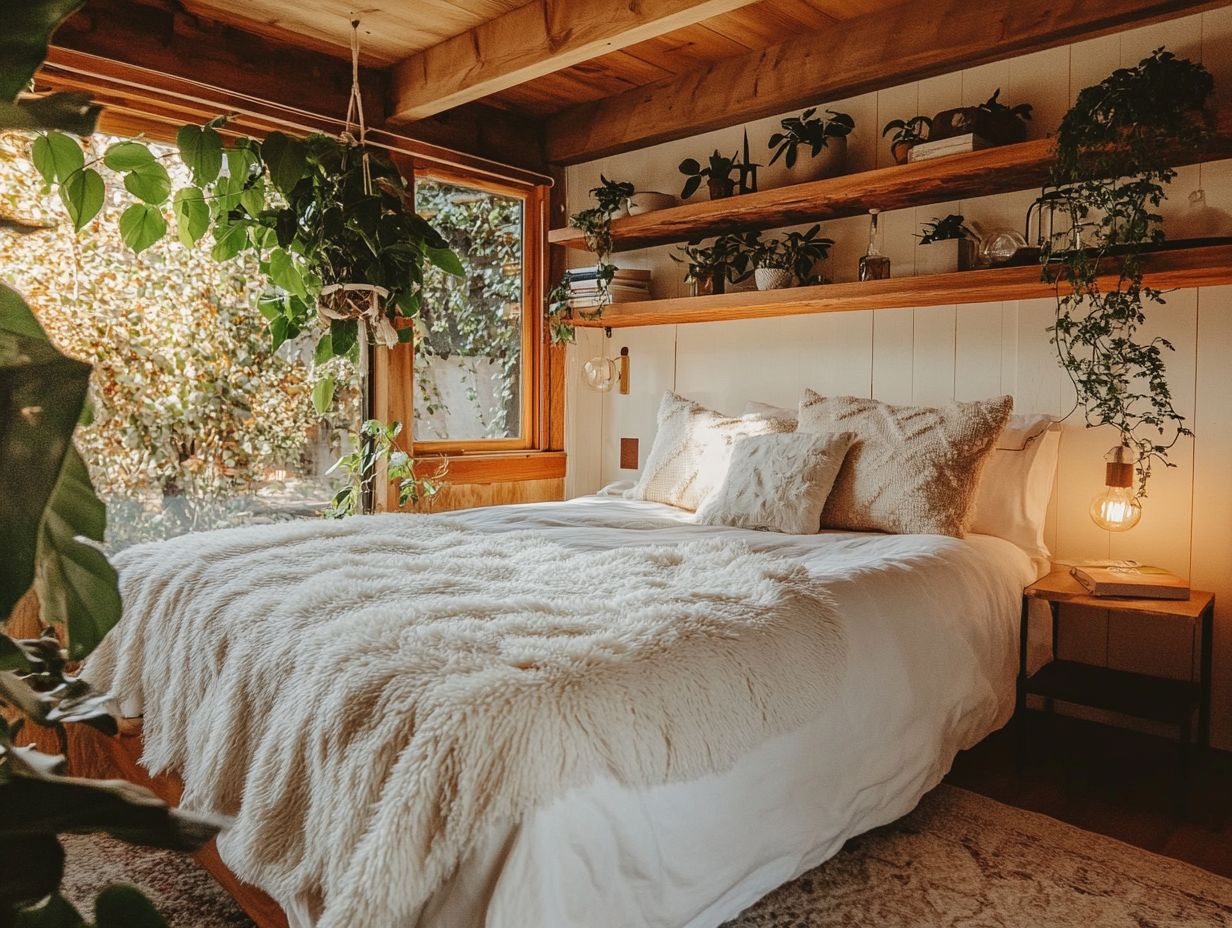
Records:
x=691, y=449
x=777, y=482
x=1016, y=485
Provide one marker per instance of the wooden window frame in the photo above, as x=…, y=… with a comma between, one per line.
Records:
x=534, y=233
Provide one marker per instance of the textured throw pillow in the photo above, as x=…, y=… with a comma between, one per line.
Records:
x=777, y=482
x=1012, y=499
x=912, y=469
x=691, y=449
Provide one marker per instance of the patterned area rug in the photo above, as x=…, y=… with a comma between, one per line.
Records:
x=958, y=861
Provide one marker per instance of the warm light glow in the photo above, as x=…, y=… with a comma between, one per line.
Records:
x=1116, y=509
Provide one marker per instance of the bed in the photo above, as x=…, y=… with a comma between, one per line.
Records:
x=929, y=624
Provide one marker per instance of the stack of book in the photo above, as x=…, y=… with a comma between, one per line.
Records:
x=1137, y=581
x=955, y=145
x=628, y=286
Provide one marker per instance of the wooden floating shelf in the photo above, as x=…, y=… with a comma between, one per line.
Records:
x=1205, y=266
x=974, y=174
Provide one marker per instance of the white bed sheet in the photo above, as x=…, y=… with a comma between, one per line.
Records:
x=932, y=631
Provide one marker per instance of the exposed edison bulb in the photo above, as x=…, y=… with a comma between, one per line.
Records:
x=600, y=374
x=1117, y=508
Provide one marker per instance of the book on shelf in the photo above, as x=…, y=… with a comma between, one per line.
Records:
x=955, y=145
x=1137, y=581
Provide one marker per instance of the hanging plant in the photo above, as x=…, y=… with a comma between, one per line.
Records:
x=331, y=223
x=595, y=223
x=1113, y=148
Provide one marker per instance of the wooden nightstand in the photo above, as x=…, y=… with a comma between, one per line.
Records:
x=1140, y=695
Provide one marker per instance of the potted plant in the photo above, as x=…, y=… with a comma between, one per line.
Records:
x=992, y=120
x=718, y=174
x=710, y=269
x=947, y=245
x=1114, y=155
x=776, y=261
x=907, y=134
x=820, y=134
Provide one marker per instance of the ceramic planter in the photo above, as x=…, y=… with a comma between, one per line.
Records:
x=900, y=151
x=647, y=201
x=772, y=278
x=947, y=257
x=831, y=161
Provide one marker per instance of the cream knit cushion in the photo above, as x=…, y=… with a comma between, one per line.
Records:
x=912, y=469
x=777, y=482
x=691, y=450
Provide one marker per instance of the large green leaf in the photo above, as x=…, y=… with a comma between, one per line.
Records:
x=82, y=194
x=57, y=157
x=122, y=906
x=128, y=156
x=42, y=393
x=229, y=241
x=286, y=159
x=283, y=273
x=446, y=260
x=192, y=215
x=12, y=657
x=76, y=584
x=201, y=150
x=141, y=225
x=70, y=112
x=149, y=182
x=323, y=395
x=28, y=25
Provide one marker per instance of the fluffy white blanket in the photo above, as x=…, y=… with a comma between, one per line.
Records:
x=365, y=696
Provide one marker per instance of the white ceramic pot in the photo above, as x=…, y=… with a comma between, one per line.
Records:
x=772, y=278
x=831, y=161
x=955, y=254
x=647, y=201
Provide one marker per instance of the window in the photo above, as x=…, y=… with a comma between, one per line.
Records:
x=475, y=357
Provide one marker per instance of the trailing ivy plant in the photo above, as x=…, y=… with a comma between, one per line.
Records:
x=376, y=448
x=318, y=214
x=611, y=197
x=51, y=526
x=1113, y=150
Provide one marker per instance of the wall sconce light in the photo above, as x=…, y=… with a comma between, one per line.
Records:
x=1117, y=509
x=602, y=373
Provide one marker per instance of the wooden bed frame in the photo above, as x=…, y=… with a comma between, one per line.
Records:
x=93, y=754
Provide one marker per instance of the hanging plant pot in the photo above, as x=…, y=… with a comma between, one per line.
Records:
x=772, y=278
x=361, y=302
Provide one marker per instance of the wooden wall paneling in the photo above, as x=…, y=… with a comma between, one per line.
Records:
x=584, y=428
x=1211, y=539
x=933, y=379
x=725, y=365
x=838, y=359
x=893, y=363
x=1033, y=79
x=470, y=495
x=1216, y=30
x=901, y=102
x=652, y=369
x=1182, y=35
x=1090, y=61
x=977, y=340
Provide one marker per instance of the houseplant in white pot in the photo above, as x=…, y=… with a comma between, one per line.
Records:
x=946, y=245
x=824, y=136
x=794, y=256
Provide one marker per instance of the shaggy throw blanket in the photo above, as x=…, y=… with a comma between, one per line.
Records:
x=366, y=696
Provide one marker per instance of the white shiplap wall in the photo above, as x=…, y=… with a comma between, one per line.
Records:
x=936, y=354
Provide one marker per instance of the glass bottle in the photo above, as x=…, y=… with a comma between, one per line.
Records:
x=874, y=265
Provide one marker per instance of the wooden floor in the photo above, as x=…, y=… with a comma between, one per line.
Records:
x=1119, y=783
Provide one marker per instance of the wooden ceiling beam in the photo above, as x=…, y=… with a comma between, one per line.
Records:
x=534, y=40
x=156, y=45
x=915, y=40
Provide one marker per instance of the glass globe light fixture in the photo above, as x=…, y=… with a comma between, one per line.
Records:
x=600, y=374
x=1117, y=508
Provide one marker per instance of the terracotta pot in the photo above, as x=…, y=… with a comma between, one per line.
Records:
x=707, y=286
x=721, y=187
x=772, y=278
x=900, y=150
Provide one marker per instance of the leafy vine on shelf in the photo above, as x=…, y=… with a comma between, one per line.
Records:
x=611, y=197
x=1113, y=151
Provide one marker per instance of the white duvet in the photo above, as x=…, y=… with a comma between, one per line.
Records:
x=930, y=629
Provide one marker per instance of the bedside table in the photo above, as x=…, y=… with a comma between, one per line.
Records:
x=1143, y=696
